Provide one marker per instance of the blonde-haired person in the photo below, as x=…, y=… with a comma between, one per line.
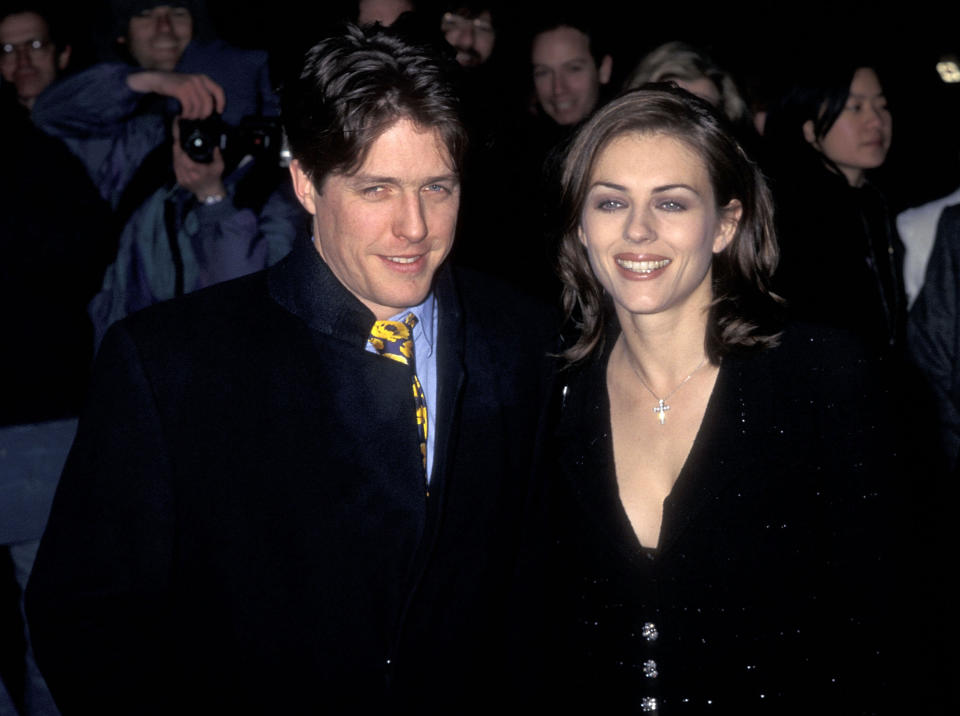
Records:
x=692, y=69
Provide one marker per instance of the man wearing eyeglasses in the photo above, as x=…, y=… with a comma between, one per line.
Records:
x=30, y=56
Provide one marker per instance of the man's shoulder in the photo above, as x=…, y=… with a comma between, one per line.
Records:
x=208, y=322
x=951, y=214
x=211, y=57
x=514, y=326
x=502, y=312
x=909, y=219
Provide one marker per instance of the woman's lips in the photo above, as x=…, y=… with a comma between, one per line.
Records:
x=641, y=267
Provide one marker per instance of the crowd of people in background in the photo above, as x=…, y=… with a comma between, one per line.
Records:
x=158, y=169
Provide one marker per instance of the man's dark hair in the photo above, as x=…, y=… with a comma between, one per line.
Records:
x=49, y=12
x=353, y=88
x=124, y=10
x=471, y=8
x=578, y=20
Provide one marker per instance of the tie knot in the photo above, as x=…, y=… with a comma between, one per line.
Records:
x=394, y=339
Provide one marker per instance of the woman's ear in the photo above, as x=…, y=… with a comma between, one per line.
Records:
x=809, y=134
x=730, y=216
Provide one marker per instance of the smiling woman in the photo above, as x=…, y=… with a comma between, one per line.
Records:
x=823, y=137
x=715, y=531
x=650, y=210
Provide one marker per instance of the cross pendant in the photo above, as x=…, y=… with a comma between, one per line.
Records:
x=661, y=410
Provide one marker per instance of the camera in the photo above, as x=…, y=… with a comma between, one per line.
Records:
x=257, y=136
x=199, y=137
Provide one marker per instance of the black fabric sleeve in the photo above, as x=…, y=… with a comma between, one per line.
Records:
x=98, y=598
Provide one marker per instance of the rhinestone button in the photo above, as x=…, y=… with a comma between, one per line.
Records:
x=649, y=631
x=650, y=669
x=648, y=704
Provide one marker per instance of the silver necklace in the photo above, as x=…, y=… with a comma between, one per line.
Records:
x=662, y=406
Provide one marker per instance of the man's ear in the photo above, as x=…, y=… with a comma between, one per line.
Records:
x=605, y=69
x=303, y=187
x=809, y=134
x=63, y=59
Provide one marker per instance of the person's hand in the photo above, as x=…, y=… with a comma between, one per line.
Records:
x=199, y=96
x=204, y=180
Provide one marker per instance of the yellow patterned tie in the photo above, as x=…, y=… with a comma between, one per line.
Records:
x=394, y=339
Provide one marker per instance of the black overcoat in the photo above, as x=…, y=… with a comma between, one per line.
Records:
x=242, y=524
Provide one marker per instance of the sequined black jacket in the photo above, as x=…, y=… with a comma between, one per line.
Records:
x=772, y=582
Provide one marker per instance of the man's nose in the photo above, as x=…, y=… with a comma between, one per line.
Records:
x=411, y=223
x=24, y=57
x=465, y=37
x=163, y=21
x=559, y=83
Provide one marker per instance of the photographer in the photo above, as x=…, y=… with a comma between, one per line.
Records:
x=218, y=215
x=114, y=114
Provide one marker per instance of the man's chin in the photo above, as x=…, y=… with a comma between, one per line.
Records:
x=467, y=58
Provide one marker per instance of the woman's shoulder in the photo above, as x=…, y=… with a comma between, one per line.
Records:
x=810, y=344
x=816, y=358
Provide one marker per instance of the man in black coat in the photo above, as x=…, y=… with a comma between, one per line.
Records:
x=255, y=518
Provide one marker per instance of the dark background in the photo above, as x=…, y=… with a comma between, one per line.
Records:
x=763, y=44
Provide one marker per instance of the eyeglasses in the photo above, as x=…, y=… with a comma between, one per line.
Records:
x=452, y=21
x=34, y=47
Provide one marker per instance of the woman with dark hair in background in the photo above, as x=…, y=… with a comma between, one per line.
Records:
x=719, y=479
x=841, y=259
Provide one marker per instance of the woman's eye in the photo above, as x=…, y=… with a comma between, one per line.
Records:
x=671, y=205
x=610, y=204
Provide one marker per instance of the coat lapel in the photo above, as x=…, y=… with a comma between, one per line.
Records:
x=451, y=374
x=304, y=285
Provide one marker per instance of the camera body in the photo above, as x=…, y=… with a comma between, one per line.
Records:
x=257, y=136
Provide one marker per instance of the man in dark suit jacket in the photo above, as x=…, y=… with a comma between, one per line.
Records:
x=246, y=523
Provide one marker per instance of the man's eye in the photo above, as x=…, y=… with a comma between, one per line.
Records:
x=437, y=189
